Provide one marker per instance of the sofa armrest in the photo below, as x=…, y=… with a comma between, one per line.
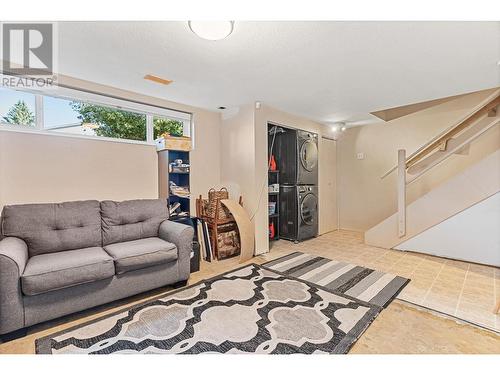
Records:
x=180, y=235
x=13, y=259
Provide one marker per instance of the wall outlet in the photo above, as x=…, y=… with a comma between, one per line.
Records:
x=360, y=155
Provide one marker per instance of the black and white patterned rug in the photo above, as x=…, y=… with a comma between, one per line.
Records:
x=249, y=310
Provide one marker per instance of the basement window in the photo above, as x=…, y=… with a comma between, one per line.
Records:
x=79, y=113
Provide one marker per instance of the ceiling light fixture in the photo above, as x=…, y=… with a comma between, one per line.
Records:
x=339, y=126
x=212, y=30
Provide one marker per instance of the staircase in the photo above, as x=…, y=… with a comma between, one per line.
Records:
x=474, y=184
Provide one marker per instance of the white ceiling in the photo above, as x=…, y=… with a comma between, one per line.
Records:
x=326, y=71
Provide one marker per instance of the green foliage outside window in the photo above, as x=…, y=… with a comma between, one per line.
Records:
x=20, y=114
x=111, y=122
x=117, y=123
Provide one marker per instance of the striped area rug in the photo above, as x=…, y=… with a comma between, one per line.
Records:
x=378, y=288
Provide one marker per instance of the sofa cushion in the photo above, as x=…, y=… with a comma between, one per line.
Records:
x=132, y=220
x=137, y=254
x=52, y=227
x=47, y=272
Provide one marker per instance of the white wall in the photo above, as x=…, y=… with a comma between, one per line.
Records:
x=472, y=235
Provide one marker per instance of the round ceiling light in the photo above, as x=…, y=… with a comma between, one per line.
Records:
x=212, y=30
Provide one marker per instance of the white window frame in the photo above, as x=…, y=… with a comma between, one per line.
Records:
x=149, y=111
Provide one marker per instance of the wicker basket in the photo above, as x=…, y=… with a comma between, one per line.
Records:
x=214, y=205
x=218, y=194
x=228, y=241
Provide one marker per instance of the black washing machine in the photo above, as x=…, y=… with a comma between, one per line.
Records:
x=308, y=212
x=307, y=152
x=298, y=212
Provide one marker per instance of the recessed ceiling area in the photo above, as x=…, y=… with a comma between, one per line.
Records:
x=326, y=71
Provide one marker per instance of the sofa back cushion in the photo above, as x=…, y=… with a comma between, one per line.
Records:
x=53, y=227
x=132, y=220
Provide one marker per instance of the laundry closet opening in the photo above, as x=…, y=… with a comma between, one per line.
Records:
x=293, y=165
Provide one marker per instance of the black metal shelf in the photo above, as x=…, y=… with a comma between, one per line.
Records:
x=177, y=196
x=273, y=177
x=179, y=178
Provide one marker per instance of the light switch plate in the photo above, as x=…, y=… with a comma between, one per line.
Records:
x=360, y=155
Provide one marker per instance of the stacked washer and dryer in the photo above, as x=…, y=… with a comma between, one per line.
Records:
x=296, y=154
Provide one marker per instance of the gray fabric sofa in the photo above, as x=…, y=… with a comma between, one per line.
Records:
x=57, y=259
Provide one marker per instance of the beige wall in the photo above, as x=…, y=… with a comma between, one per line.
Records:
x=205, y=158
x=238, y=156
x=44, y=168
x=41, y=168
x=365, y=199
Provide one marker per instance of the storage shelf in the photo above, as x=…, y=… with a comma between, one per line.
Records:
x=273, y=215
x=168, y=174
x=272, y=171
x=272, y=192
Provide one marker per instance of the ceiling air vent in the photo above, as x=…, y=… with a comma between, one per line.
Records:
x=156, y=79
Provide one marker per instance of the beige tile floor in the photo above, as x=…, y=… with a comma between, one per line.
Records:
x=461, y=289
x=400, y=328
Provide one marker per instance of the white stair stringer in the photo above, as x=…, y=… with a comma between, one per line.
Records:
x=473, y=185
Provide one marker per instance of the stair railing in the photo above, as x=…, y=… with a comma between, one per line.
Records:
x=484, y=108
x=487, y=108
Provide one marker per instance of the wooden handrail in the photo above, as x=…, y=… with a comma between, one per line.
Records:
x=453, y=150
x=471, y=119
x=483, y=109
